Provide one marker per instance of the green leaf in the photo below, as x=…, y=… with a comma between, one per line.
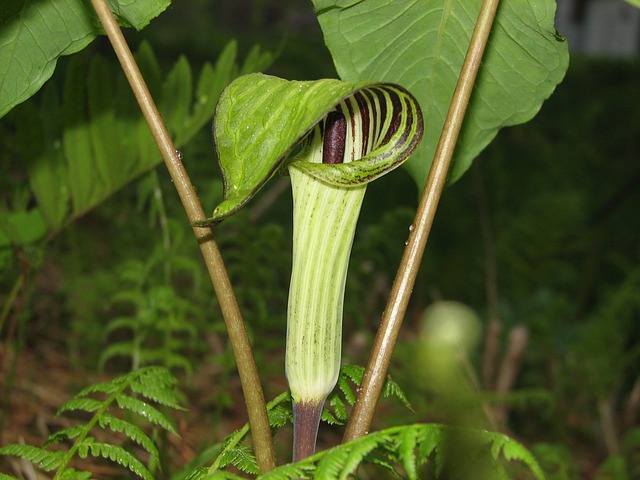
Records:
x=156, y=379
x=241, y=458
x=44, y=458
x=21, y=227
x=115, y=454
x=176, y=96
x=109, y=160
x=398, y=446
x=33, y=35
x=157, y=384
x=83, y=181
x=125, y=348
x=80, y=403
x=261, y=119
x=150, y=413
x=407, y=444
x=84, y=144
x=420, y=44
x=40, y=135
x=64, y=434
x=4, y=476
x=131, y=431
x=72, y=474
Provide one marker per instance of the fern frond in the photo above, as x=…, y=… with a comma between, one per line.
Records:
x=198, y=474
x=279, y=416
x=109, y=387
x=391, y=389
x=73, y=474
x=229, y=443
x=152, y=383
x=241, y=458
x=167, y=358
x=339, y=408
x=146, y=410
x=355, y=373
x=129, y=296
x=117, y=323
x=45, y=459
x=222, y=475
x=64, y=434
x=81, y=403
x=512, y=450
x=345, y=461
x=157, y=384
x=408, y=446
x=132, y=432
x=120, y=349
x=114, y=453
x=280, y=413
x=291, y=471
x=406, y=451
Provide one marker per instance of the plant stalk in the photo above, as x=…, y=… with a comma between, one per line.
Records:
x=306, y=421
x=384, y=343
x=252, y=390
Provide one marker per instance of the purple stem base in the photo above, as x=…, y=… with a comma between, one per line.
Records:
x=306, y=419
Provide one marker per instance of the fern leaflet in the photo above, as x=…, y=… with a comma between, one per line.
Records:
x=280, y=413
x=152, y=383
x=399, y=445
x=145, y=410
x=114, y=453
x=45, y=459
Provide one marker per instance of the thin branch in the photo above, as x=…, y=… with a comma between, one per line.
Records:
x=387, y=335
x=494, y=326
x=247, y=370
x=608, y=426
x=632, y=406
x=511, y=363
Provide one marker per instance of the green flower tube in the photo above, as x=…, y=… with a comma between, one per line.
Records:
x=324, y=223
x=327, y=196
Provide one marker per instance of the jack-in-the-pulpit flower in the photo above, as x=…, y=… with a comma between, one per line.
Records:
x=327, y=195
x=349, y=136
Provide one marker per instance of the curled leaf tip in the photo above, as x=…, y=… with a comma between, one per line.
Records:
x=385, y=127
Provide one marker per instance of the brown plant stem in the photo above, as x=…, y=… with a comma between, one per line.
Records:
x=632, y=406
x=511, y=363
x=253, y=394
x=391, y=322
x=608, y=426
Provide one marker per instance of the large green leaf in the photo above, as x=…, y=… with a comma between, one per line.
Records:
x=421, y=44
x=81, y=146
x=33, y=34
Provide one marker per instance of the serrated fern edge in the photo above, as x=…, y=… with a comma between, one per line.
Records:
x=154, y=383
x=341, y=461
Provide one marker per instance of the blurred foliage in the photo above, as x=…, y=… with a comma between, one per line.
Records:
x=79, y=146
x=559, y=196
